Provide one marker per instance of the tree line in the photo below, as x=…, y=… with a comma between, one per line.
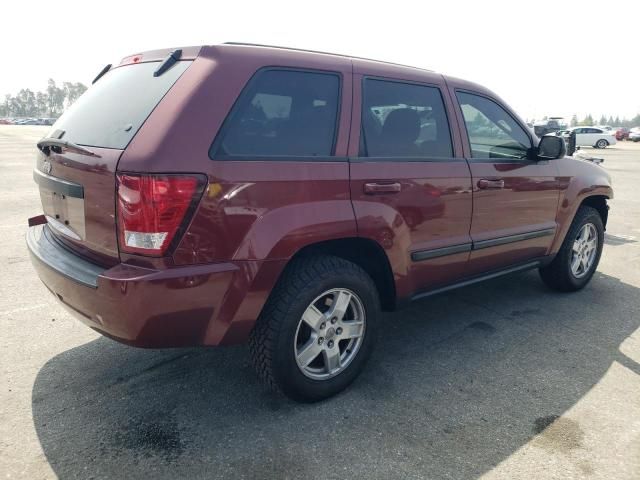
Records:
x=52, y=102
x=48, y=103
x=613, y=122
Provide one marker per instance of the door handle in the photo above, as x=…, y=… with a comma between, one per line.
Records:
x=488, y=183
x=375, y=188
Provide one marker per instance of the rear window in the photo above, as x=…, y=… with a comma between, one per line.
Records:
x=112, y=111
x=282, y=113
x=404, y=120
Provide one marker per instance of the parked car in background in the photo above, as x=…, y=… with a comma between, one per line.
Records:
x=622, y=133
x=292, y=197
x=33, y=121
x=634, y=134
x=4, y=121
x=553, y=124
x=591, y=137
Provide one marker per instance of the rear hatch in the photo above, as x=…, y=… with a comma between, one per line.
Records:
x=76, y=167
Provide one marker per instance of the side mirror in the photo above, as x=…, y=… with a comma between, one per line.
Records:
x=551, y=147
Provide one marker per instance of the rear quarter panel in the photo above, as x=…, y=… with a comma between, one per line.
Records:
x=251, y=210
x=254, y=213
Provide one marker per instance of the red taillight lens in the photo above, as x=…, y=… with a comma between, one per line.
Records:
x=152, y=208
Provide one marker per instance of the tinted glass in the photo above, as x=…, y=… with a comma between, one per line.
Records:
x=283, y=113
x=403, y=120
x=110, y=113
x=493, y=133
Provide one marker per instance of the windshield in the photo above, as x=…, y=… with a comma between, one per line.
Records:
x=110, y=113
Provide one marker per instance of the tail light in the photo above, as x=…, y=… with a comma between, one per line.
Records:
x=153, y=210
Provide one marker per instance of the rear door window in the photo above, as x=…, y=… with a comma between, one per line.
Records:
x=403, y=120
x=493, y=133
x=112, y=111
x=282, y=113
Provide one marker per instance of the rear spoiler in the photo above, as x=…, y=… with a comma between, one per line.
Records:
x=187, y=53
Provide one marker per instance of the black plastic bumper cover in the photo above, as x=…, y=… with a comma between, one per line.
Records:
x=44, y=248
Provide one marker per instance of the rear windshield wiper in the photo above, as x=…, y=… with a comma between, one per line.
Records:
x=168, y=62
x=47, y=145
x=102, y=72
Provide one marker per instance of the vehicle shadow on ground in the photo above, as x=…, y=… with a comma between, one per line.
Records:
x=618, y=240
x=458, y=383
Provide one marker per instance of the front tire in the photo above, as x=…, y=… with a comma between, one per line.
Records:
x=579, y=255
x=602, y=143
x=317, y=329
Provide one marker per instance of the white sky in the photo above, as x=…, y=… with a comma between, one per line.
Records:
x=543, y=57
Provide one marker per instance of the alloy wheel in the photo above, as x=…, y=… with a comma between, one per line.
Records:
x=584, y=251
x=329, y=334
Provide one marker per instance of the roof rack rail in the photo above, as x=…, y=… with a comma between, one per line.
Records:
x=243, y=44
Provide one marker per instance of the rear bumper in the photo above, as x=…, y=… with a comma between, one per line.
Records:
x=182, y=306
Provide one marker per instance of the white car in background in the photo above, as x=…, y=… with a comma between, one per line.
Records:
x=634, y=134
x=593, y=137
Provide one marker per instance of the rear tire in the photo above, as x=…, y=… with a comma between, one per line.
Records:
x=576, y=261
x=602, y=143
x=303, y=314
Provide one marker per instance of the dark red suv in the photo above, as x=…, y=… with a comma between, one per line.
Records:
x=622, y=134
x=218, y=194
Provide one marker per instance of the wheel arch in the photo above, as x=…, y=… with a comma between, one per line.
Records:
x=598, y=202
x=568, y=210
x=365, y=253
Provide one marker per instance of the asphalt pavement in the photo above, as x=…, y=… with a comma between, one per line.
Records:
x=504, y=379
